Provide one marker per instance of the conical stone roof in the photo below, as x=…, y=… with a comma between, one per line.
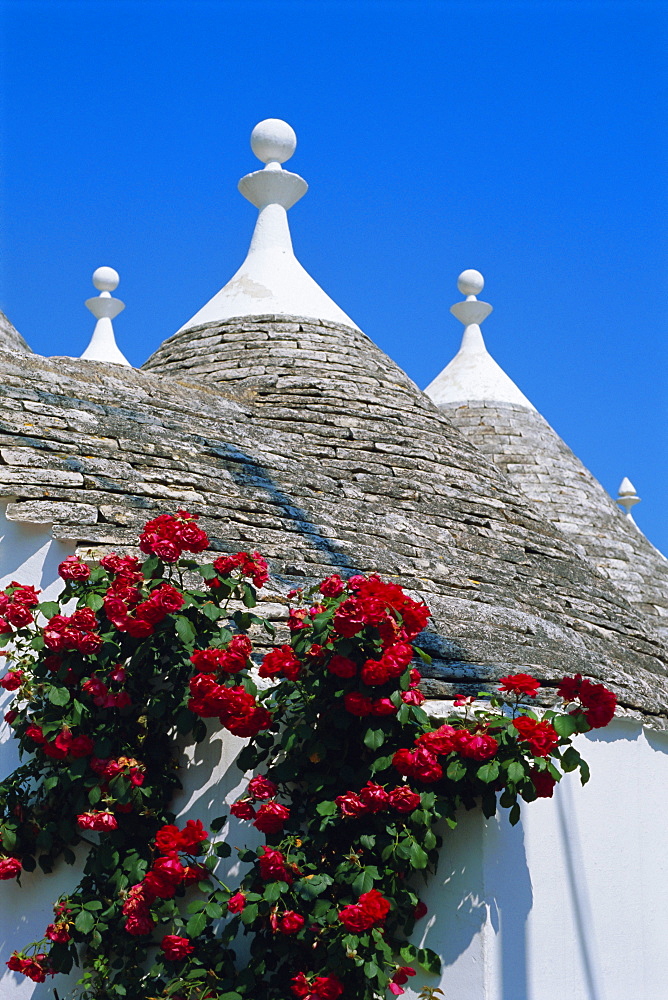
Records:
x=10, y=338
x=429, y=508
x=495, y=416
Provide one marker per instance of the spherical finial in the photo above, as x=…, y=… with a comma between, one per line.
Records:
x=273, y=141
x=470, y=282
x=106, y=279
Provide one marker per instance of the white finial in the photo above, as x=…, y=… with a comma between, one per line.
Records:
x=473, y=375
x=104, y=308
x=106, y=279
x=271, y=280
x=628, y=497
x=273, y=141
x=470, y=282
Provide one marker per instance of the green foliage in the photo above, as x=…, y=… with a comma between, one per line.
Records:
x=358, y=782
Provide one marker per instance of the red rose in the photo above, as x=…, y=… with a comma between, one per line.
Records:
x=599, y=702
x=477, y=746
x=262, y=788
x=375, y=672
x=332, y=586
x=404, y=799
x=383, y=706
x=273, y=867
x=542, y=737
x=543, y=782
x=341, y=666
x=81, y=746
x=374, y=797
x=358, y=704
x=520, y=684
x=271, y=817
x=139, y=924
x=290, y=922
x=58, y=933
x=12, y=681
x=9, y=868
x=413, y=697
x=374, y=904
x=326, y=988
x=349, y=618
x=354, y=919
x=192, y=835
x=440, y=741
x=175, y=947
x=569, y=687
x=350, y=804
x=236, y=903
x=73, y=568
x=169, y=868
x=300, y=985
x=97, y=821
x=281, y=660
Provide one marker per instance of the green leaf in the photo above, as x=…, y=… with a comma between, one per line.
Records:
x=59, y=696
x=425, y=657
x=368, y=840
x=196, y=925
x=49, y=608
x=514, y=814
x=184, y=629
x=516, y=771
x=326, y=808
x=429, y=960
x=489, y=772
x=211, y=611
x=456, y=770
x=418, y=857
x=84, y=922
x=570, y=759
x=223, y=849
x=94, y=602
x=249, y=914
x=374, y=738
x=273, y=890
x=381, y=764
x=248, y=595
x=565, y=725
x=218, y=823
x=363, y=882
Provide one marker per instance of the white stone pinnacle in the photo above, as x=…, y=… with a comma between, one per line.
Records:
x=473, y=375
x=104, y=307
x=627, y=497
x=271, y=280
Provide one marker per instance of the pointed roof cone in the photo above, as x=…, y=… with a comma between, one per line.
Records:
x=271, y=280
x=627, y=497
x=473, y=374
x=10, y=338
x=104, y=307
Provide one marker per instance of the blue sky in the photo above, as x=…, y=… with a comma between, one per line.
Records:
x=525, y=139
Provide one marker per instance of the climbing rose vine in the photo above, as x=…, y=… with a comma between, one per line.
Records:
x=348, y=783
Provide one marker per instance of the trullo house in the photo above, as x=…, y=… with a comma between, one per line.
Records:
x=272, y=416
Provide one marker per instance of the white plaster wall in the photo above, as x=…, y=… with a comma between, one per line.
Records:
x=572, y=903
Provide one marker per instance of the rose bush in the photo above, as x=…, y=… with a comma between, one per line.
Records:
x=350, y=780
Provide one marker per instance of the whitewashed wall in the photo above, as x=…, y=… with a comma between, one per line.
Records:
x=571, y=904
